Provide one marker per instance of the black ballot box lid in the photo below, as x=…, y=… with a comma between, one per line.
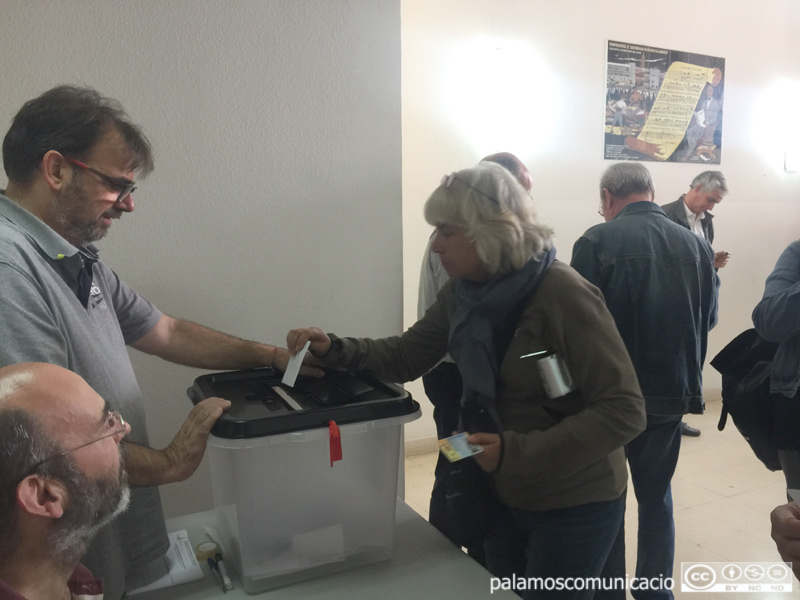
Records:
x=261, y=405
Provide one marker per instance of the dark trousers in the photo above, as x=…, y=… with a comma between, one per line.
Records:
x=652, y=457
x=443, y=387
x=563, y=543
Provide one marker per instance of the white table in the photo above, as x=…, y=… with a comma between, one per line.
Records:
x=424, y=565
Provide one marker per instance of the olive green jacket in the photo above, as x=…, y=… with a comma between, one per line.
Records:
x=557, y=453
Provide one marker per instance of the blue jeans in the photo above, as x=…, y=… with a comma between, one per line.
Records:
x=652, y=456
x=563, y=543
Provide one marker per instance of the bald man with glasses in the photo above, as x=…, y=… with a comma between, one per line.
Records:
x=63, y=479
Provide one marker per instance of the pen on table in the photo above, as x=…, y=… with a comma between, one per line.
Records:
x=217, y=575
x=224, y=572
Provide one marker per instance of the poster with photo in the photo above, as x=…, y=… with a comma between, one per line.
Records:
x=663, y=105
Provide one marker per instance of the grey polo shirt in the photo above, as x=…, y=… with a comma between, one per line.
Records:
x=42, y=320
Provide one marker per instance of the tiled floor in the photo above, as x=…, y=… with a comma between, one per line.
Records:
x=722, y=494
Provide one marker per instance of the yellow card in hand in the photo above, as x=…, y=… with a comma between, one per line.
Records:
x=457, y=447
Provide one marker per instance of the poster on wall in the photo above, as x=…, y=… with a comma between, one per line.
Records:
x=663, y=105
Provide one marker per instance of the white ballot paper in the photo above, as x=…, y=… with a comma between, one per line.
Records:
x=179, y=562
x=290, y=375
x=794, y=495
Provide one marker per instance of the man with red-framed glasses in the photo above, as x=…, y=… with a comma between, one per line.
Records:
x=72, y=158
x=63, y=479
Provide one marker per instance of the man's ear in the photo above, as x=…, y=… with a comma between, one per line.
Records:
x=608, y=200
x=42, y=497
x=54, y=168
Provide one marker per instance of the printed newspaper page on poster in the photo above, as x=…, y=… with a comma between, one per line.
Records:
x=663, y=105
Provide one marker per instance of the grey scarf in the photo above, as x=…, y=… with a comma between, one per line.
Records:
x=483, y=314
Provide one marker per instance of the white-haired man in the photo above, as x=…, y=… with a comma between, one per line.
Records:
x=693, y=211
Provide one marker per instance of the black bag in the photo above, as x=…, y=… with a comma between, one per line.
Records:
x=746, y=367
x=467, y=491
x=468, y=497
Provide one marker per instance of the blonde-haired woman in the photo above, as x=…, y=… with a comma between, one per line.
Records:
x=550, y=394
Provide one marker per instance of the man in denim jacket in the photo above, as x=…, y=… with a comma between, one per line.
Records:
x=659, y=283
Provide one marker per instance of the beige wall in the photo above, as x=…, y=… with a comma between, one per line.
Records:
x=555, y=100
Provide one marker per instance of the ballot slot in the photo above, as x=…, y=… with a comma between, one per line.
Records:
x=259, y=397
x=291, y=402
x=275, y=397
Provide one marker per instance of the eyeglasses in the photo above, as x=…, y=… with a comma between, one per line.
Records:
x=115, y=424
x=448, y=180
x=117, y=184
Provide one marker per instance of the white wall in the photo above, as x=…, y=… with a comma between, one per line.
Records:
x=276, y=196
x=563, y=115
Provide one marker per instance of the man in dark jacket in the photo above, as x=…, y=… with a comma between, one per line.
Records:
x=660, y=285
x=693, y=211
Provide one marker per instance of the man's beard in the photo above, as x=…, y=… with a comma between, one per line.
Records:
x=93, y=504
x=74, y=223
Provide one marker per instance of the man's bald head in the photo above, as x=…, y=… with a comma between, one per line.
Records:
x=514, y=165
x=35, y=386
x=58, y=400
